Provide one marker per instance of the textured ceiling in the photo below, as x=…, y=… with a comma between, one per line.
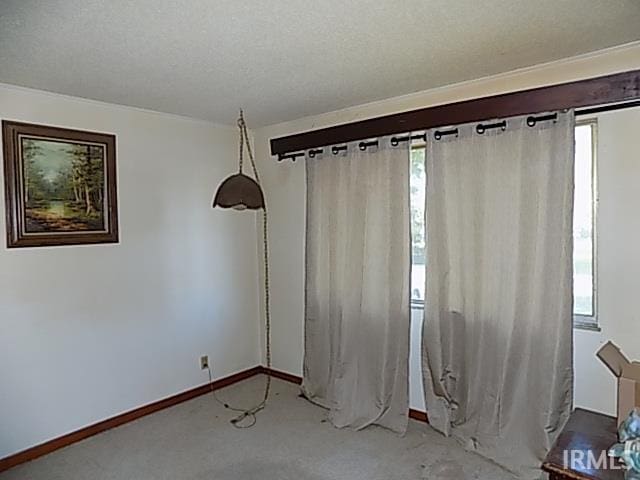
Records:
x=284, y=59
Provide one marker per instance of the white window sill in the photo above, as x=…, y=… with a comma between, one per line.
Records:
x=581, y=322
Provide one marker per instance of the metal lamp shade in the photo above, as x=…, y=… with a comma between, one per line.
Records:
x=239, y=192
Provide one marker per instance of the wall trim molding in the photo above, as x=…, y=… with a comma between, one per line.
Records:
x=418, y=415
x=57, y=443
x=70, y=438
x=287, y=377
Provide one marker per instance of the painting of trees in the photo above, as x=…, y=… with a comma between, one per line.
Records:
x=87, y=177
x=64, y=185
x=35, y=186
x=60, y=185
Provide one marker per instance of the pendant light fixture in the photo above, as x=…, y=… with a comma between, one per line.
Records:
x=241, y=192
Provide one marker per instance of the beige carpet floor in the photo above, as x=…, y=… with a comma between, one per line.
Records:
x=291, y=441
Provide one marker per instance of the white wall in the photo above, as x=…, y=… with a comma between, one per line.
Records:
x=619, y=224
x=618, y=263
x=89, y=332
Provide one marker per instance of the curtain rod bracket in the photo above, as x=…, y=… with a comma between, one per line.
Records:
x=532, y=120
x=438, y=134
x=289, y=156
x=395, y=141
x=482, y=127
x=337, y=149
x=314, y=151
x=364, y=145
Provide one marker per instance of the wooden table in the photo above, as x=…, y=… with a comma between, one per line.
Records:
x=585, y=432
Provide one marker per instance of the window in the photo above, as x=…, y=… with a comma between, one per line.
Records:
x=584, y=298
x=583, y=226
x=418, y=185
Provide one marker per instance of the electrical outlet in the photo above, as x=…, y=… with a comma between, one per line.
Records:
x=204, y=362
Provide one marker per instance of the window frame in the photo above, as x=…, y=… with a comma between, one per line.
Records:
x=580, y=321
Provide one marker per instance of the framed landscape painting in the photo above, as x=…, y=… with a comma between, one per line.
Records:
x=60, y=186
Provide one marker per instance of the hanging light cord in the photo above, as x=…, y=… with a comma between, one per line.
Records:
x=244, y=414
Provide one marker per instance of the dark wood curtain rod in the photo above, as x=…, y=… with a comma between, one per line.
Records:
x=610, y=89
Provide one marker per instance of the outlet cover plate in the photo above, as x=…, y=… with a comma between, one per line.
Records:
x=204, y=362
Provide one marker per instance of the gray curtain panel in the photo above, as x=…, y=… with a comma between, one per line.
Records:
x=497, y=336
x=357, y=285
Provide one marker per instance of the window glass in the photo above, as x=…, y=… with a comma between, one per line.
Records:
x=583, y=231
x=418, y=189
